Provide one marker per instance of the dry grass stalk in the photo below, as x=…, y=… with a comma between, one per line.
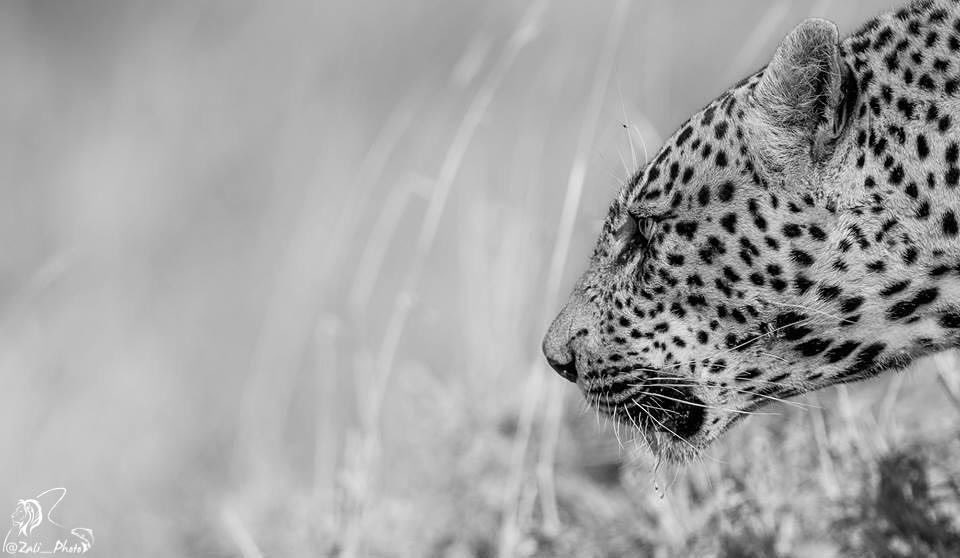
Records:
x=239, y=533
x=828, y=474
x=328, y=414
x=523, y=34
x=946, y=366
x=372, y=167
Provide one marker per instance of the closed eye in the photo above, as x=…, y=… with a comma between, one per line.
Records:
x=626, y=240
x=633, y=236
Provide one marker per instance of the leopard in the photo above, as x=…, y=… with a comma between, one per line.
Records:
x=801, y=230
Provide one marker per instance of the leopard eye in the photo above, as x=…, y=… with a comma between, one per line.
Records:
x=629, y=239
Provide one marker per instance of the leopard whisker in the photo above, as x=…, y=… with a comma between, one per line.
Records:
x=663, y=426
x=811, y=309
x=745, y=343
x=639, y=429
x=694, y=383
x=615, y=403
x=689, y=382
x=616, y=430
x=705, y=406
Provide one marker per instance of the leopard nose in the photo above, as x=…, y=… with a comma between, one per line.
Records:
x=567, y=370
x=556, y=347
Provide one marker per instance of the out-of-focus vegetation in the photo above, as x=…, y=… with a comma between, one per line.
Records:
x=275, y=277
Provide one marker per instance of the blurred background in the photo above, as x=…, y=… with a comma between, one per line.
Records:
x=275, y=276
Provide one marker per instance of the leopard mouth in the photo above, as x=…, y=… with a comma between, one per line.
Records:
x=674, y=411
x=682, y=418
x=675, y=415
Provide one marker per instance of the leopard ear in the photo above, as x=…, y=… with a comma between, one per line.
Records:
x=802, y=102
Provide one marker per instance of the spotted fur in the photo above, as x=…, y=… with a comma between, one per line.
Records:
x=799, y=231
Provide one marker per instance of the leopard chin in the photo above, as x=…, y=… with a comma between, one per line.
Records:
x=672, y=422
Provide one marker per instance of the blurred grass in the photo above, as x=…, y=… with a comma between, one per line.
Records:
x=215, y=211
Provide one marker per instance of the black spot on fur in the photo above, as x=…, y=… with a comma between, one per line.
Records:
x=789, y=325
x=813, y=346
x=851, y=304
x=802, y=284
x=725, y=192
x=949, y=223
x=865, y=360
x=905, y=308
x=829, y=292
x=802, y=258
x=923, y=150
x=729, y=222
x=841, y=351
x=703, y=196
x=894, y=288
x=950, y=320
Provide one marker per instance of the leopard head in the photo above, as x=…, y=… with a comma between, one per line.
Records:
x=772, y=247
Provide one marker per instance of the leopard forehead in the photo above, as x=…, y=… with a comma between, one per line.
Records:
x=703, y=160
